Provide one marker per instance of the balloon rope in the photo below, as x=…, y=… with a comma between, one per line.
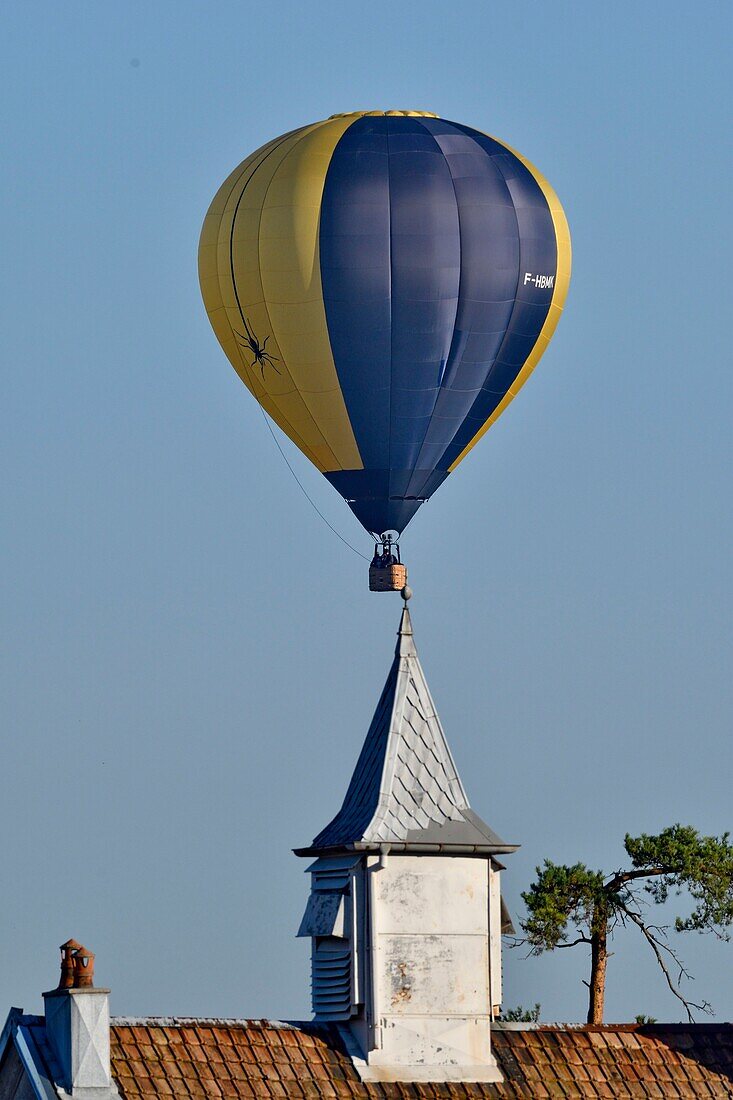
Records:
x=304, y=492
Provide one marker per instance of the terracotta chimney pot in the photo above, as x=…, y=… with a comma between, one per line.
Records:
x=67, y=963
x=83, y=968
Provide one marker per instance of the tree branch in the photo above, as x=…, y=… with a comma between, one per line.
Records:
x=622, y=877
x=657, y=947
x=517, y=941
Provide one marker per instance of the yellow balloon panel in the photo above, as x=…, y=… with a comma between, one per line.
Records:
x=232, y=291
x=291, y=279
x=261, y=282
x=249, y=303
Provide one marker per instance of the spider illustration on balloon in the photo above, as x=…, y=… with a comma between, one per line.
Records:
x=252, y=344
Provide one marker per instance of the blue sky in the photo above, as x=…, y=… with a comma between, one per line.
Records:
x=191, y=658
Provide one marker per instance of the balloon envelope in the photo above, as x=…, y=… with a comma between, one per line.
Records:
x=384, y=284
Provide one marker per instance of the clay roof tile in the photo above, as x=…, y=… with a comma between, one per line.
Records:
x=154, y=1059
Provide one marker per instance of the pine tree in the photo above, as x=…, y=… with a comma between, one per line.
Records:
x=593, y=904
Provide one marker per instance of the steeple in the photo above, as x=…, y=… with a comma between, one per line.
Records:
x=405, y=793
x=405, y=914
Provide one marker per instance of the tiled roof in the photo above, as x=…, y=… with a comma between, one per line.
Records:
x=405, y=790
x=262, y=1059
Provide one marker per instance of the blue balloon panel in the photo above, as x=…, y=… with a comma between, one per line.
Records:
x=427, y=229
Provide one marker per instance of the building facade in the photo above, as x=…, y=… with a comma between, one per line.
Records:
x=405, y=919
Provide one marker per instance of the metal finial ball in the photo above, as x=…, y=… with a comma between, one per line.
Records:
x=406, y=593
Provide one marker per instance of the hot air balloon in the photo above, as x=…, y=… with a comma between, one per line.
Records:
x=384, y=283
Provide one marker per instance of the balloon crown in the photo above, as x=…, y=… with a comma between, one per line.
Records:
x=409, y=114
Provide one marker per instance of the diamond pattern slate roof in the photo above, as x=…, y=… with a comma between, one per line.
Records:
x=405, y=790
x=262, y=1059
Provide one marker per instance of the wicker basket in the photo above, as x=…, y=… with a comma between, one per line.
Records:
x=389, y=578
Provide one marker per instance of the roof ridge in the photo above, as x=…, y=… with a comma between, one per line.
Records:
x=308, y=1025
x=681, y=1026
x=210, y=1021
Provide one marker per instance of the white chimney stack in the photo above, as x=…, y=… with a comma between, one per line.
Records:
x=77, y=1028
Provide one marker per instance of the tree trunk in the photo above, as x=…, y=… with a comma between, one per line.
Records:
x=599, y=958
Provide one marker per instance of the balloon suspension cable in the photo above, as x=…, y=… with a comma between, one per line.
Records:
x=303, y=490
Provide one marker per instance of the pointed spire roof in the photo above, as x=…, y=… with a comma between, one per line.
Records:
x=405, y=793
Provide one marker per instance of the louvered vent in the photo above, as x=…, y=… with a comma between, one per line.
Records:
x=331, y=979
x=328, y=920
x=332, y=874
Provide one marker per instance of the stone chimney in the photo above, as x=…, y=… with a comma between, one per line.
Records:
x=77, y=1027
x=405, y=914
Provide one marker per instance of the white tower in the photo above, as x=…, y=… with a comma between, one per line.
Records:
x=405, y=912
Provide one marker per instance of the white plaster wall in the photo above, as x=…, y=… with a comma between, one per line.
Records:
x=431, y=925
x=77, y=1026
x=433, y=894
x=438, y=974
